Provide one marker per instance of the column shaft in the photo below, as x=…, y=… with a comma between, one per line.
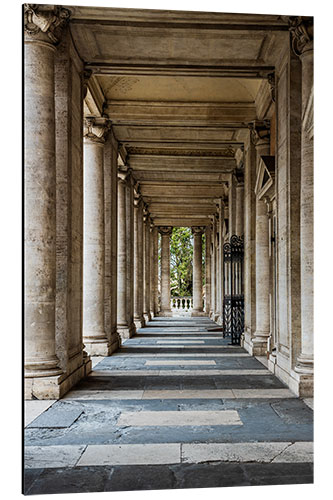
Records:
x=138, y=264
x=94, y=335
x=197, y=270
x=165, y=271
x=147, y=257
x=40, y=211
x=208, y=269
x=239, y=209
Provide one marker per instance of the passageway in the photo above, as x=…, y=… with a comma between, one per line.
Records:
x=176, y=407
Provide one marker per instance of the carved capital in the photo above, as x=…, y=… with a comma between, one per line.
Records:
x=165, y=230
x=198, y=230
x=260, y=131
x=44, y=22
x=123, y=172
x=96, y=129
x=301, y=29
x=86, y=74
x=271, y=83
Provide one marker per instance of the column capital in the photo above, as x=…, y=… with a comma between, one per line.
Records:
x=197, y=230
x=124, y=172
x=44, y=23
x=272, y=85
x=165, y=230
x=260, y=132
x=301, y=30
x=96, y=129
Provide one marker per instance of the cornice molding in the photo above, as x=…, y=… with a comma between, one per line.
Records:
x=44, y=22
x=228, y=152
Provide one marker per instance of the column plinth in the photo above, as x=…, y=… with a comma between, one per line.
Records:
x=165, y=271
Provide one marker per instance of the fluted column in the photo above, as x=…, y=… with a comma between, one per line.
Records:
x=138, y=262
x=41, y=33
x=125, y=329
x=302, y=43
x=260, y=137
x=165, y=271
x=239, y=209
x=207, y=269
x=147, y=260
x=197, y=270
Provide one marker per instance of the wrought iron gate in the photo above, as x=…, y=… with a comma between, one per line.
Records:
x=233, y=290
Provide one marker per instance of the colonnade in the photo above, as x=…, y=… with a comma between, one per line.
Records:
x=91, y=245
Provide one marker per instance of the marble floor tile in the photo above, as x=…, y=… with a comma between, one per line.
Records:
x=92, y=394
x=180, y=362
x=188, y=394
x=33, y=408
x=128, y=454
x=177, y=418
x=39, y=457
x=263, y=393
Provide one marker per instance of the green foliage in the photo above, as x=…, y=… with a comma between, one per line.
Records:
x=181, y=258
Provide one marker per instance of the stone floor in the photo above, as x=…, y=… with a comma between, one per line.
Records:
x=176, y=407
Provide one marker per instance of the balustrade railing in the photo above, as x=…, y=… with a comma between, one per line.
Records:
x=181, y=304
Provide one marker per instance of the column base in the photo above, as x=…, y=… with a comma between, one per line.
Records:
x=97, y=347
x=167, y=313
x=256, y=345
x=139, y=322
x=146, y=317
x=115, y=342
x=55, y=387
x=196, y=312
x=125, y=331
x=215, y=317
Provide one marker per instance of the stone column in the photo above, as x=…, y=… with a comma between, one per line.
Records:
x=41, y=32
x=220, y=274
x=165, y=271
x=130, y=252
x=302, y=43
x=94, y=336
x=153, y=275
x=155, y=267
x=124, y=329
x=138, y=261
x=260, y=137
x=147, y=257
x=239, y=225
x=213, y=270
x=232, y=214
x=207, y=269
x=197, y=270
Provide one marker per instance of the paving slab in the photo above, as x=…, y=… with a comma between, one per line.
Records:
x=177, y=418
x=34, y=408
x=38, y=457
x=145, y=454
x=63, y=415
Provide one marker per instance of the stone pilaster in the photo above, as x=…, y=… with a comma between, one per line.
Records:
x=302, y=43
x=165, y=271
x=125, y=329
x=138, y=261
x=239, y=225
x=146, y=261
x=94, y=335
x=197, y=270
x=42, y=29
x=208, y=268
x=260, y=137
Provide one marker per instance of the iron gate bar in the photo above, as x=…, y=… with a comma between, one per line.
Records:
x=233, y=294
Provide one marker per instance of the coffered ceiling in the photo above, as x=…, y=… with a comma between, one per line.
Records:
x=180, y=89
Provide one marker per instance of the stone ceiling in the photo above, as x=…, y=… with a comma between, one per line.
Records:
x=180, y=89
